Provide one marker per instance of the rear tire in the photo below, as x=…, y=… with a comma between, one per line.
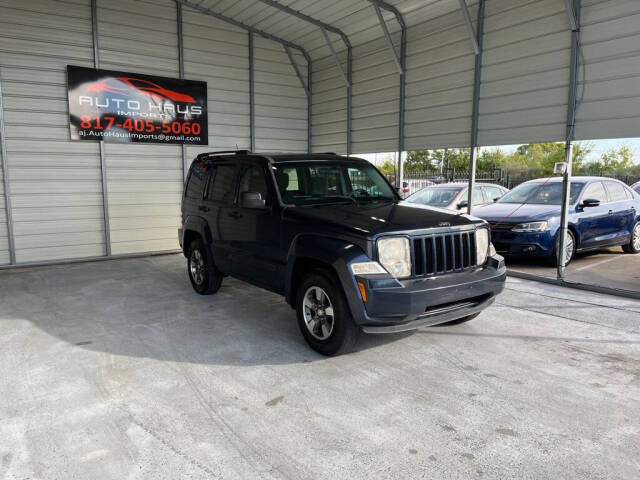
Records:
x=323, y=314
x=205, y=278
x=458, y=321
x=634, y=244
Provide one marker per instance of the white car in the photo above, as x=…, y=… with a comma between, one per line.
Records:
x=453, y=196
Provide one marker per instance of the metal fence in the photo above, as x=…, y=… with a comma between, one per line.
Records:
x=417, y=180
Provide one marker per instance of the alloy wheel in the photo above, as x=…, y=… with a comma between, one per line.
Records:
x=318, y=313
x=636, y=237
x=197, y=267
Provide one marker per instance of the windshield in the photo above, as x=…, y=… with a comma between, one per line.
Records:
x=436, y=196
x=540, y=193
x=308, y=183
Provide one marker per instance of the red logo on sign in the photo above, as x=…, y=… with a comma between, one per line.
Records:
x=124, y=85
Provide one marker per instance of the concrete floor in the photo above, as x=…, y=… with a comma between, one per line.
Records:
x=609, y=267
x=117, y=369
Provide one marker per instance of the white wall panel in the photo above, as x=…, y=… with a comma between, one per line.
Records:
x=4, y=242
x=55, y=183
x=153, y=27
x=439, y=95
x=525, y=72
x=280, y=100
x=610, y=106
x=218, y=53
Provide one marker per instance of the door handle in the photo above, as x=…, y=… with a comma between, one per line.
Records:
x=204, y=208
x=235, y=215
x=610, y=212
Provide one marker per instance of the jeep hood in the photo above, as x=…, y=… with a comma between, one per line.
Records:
x=375, y=219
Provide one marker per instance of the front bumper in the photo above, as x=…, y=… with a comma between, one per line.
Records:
x=395, y=306
x=507, y=242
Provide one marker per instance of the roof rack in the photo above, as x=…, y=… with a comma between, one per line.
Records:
x=237, y=152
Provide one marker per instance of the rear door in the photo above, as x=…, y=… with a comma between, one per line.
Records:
x=218, y=207
x=621, y=212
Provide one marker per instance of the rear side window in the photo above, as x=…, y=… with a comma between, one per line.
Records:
x=595, y=191
x=223, y=184
x=616, y=191
x=196, y=182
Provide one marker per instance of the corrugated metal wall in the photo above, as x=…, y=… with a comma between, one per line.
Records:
x=145, y=180
x=440, y=64
x=55, y=183
x=610, y=106
x=525, y=72
x=280, y=100
x=4, y=241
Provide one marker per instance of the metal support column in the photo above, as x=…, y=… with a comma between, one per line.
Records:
x=477, y=75
x=183, y=147
x=5, y=179
x=103, y=166
x=571, y=121
x=349, y=100
x=309, y=94
x=252, y=103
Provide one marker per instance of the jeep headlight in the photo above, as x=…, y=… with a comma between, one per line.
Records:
x=482, y=245
x=394, y=254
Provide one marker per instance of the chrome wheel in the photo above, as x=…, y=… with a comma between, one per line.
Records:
x=197, y=267
x=570, y=248
x=318, y=313
x=636, y=237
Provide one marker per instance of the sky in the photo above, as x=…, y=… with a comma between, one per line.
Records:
x=599, y=147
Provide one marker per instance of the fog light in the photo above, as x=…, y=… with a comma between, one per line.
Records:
x=529, y=249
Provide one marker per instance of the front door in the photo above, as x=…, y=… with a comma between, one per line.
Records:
x=257, y=255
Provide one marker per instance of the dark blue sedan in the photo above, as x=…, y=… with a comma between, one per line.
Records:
x=603, y=213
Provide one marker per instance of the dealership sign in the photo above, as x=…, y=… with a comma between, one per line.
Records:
x=130, y=107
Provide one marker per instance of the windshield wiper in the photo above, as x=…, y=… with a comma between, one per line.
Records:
x=337, y=197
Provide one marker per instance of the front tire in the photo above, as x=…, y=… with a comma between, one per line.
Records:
x=205, y=278
x=323, y=315
x=571, y=249
x=634, y=244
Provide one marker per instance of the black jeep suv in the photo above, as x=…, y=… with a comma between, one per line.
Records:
x=331, y=235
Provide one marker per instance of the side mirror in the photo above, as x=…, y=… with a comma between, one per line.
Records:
x=590, y=202
x=463, y=204
x=251, y=200
x=496, y=199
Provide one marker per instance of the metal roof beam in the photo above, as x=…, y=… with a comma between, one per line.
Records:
x=347, y=81
x=467, y=20
x=294, y=64
x=249, y=28
x=388, y=38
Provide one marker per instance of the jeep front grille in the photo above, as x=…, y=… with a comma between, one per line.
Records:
x=442, y=253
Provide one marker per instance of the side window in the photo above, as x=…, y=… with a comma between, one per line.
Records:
x=616, y=191
x=493, y=192
x=478, y=198
x=253, y=180
x=596, y=191
x=222, y=188
x=196, y=182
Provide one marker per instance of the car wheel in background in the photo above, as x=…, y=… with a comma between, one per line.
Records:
x=634, y=244
x=205, y=279
x=323, y=314
x=571, y=249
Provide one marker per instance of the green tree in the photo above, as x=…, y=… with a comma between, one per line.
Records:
x=387, y=168
x=614, y=160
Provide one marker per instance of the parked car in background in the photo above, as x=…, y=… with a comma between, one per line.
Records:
x=454, y=196
x=636, y=187
x=603, y=213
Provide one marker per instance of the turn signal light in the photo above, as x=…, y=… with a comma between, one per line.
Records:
x=363, y=291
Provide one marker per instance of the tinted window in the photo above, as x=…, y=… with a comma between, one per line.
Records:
x=616, y=191
x=540, y=193
x=436, y=196
x=223, y=185
x=253, y=180
x=196, y=182
x=493, y=192
x=595, y=191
